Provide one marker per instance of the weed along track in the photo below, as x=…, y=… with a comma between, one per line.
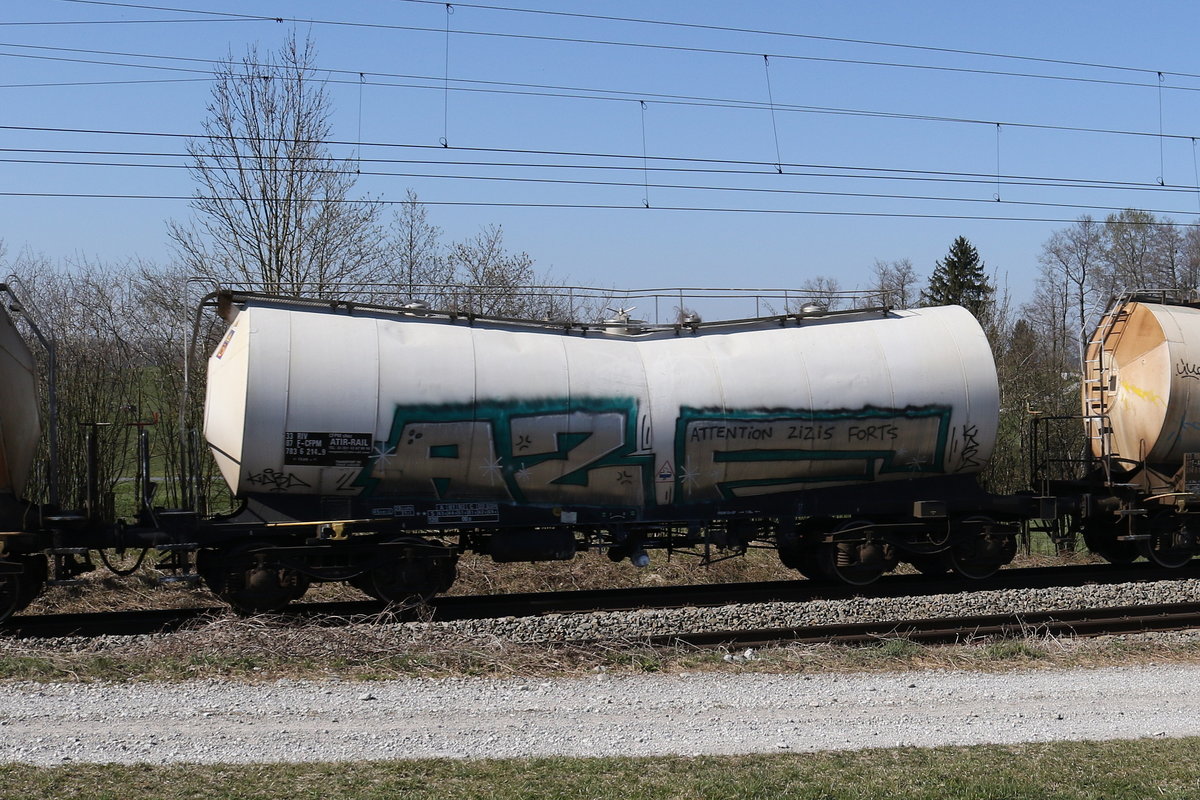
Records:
x=1012, y=603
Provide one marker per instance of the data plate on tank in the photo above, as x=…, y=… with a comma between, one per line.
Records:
x=308, y=448
x=394, y=511
x=457, y=513
x=1191, y=472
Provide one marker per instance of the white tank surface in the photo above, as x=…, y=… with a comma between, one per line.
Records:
x=420, y=406
x=20, y=429
x=1143, y=372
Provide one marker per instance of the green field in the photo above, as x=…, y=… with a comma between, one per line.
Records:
x=1123, y=770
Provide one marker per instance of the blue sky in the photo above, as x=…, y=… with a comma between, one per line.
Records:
x=889, y=146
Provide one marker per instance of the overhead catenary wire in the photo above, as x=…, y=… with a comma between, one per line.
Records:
x=53, y=22
x=771, y=103
x=680, y=48
x=664, y=186
x=965, y=178
x=623, y=207
x=751, y=166
x=645, y=162
x=663, y=164
x=807, y=36
x=445, y=84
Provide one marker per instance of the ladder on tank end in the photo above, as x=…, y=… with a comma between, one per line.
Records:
x=1097, y=391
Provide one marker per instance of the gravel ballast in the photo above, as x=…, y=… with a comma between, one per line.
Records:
x=599, y=715
x=660, y=622
x=627, y=626
x=715, y=712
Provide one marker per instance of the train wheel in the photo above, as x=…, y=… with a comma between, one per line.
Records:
x=19, y=589
x=32, y=581
x=1169, y=544
x=242, y=578
x=798, y=546
x=1100, y=536
x=411, y=577
x=857, y=563
x=976, y=551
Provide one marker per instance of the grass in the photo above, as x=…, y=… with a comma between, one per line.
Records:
x=1123, y=770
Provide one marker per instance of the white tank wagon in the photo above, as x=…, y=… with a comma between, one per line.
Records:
x=442, y=422
x=311, y=401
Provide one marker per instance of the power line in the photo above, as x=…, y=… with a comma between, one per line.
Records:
x=656, y=185
x=99, y=83
x=602, y=206
x=806, y=171
x=611, y=95
x=653, y=46
x=632, y=159
x=845, y=172
x=811, y=37
x=118, y=22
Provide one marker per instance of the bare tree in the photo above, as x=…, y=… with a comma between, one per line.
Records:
x=493, y=281
x=1129, y=252
x=822, y=290
x=897, y=282
x=273, y=205
x=1071, y=265
x=418, y=265
x=1191, y=260
x=1169, y=254
x=85, y=308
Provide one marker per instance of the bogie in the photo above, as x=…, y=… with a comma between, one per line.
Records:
x=856, y=554
x=409, y=572
x=979, y=547
x=249, y=578
x=1167, y=541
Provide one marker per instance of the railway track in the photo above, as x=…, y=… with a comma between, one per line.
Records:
x=533, y=604
x=1084, y=622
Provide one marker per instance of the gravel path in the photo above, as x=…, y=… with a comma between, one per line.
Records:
x=704, y=713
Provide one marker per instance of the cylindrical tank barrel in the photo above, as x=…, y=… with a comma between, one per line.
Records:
x=308, y=400
x=1141, y=390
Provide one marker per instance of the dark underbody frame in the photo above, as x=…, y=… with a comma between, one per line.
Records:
x=401, y=549
x=266, y=553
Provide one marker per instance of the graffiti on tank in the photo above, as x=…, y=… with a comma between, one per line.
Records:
x=1148, y=395
x=550, y=451
x=968, y=458
x=275, y=481
x=1186, y=369
x=745, y=453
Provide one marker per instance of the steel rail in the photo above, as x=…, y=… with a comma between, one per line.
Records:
x=32, y=625
x=952, y=630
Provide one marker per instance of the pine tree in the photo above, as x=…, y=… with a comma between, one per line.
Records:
x=959, y=279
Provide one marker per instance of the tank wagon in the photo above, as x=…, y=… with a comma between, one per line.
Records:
x=374, y=445
x=1141, y=409
x=530, y=440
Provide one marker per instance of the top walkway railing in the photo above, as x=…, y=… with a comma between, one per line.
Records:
x=595, y=305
